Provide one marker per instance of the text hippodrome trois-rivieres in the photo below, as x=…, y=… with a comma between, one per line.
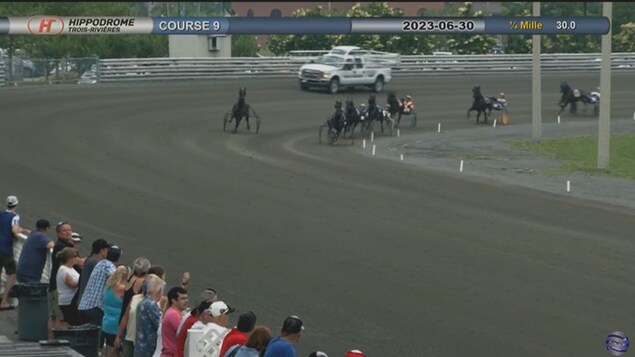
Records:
x=95, y=25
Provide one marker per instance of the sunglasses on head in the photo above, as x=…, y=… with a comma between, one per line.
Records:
x=59, y=224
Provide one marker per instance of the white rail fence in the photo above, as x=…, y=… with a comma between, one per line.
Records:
x=140, y=69
x=17, y=250
x=3, y=75
x=144, y=69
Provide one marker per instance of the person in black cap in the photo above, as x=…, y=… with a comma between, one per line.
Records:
x=34, y=252
x=98, y=253
x=290, y=334
x=239, y=334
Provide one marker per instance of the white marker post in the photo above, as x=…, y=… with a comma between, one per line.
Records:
x=439, y=128
x=363, y=143
x=373, y=149
x=398, y=133
x=633, y=115
x=494, y=123
x=461, y=167
x=558, y=119
x=401, y=157
x=568, y=186
x=372, y=136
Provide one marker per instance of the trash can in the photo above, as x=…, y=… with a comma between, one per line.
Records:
x=83, y=338
x=33, y=311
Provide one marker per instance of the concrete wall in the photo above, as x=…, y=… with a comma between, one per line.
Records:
x=198, y=46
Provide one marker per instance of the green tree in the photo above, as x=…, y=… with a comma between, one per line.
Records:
x=471, y=43
x=244, y=46
x=402, y=43
x=282, y=44
x=625, y=40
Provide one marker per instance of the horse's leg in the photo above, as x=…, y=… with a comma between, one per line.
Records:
x=238, y=119
x=247, y=119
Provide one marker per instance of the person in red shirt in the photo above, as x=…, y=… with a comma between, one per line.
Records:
x=240, y=333
x=187, y=324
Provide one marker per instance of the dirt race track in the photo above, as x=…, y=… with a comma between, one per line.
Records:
x=371, y=254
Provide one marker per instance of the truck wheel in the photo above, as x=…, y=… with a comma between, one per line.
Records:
x=334, y=86
x=379, y=84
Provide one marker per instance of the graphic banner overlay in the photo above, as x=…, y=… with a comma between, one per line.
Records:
x=190, y=25
x=495, y=25
x=99, y=25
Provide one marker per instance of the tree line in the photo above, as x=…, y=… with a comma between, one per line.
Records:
x=130, y=46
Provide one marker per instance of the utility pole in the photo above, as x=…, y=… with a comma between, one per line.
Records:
x=536, y=83
x=604, y=126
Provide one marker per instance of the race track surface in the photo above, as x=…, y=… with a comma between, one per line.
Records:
x=371, y=254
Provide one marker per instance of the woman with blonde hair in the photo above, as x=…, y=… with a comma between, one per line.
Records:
x=140, y=269
x=255, y=346
x=113, y=300
x=67, y=285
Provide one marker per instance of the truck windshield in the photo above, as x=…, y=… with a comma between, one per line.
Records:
x=330, y=60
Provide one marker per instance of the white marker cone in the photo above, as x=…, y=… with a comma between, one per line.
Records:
x=373, y=149
x=363, y=143
x=401, y=157
x=398, y=134
x=372, y=137
x=633, y=115
x=568, y=186
x=461, y=167
x=494, y=123
x=558, y=119
x=439, y=128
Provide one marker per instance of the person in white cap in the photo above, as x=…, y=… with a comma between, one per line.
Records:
x=213, y=322
x=408, y=109
x=9, y=229
x=501, y=99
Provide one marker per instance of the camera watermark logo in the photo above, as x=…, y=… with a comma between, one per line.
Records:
x=616, y=343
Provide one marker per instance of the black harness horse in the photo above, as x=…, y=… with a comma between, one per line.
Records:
x=395, y=106
x=571, y=97
x=353, y=117
x=337, y=121
x=241, y=109
x=482, y=105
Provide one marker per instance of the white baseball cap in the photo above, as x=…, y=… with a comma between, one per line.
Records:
x=219, y=308
x=76, y=237
x=12, y=201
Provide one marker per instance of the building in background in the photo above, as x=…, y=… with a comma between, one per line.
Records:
x=200, y=45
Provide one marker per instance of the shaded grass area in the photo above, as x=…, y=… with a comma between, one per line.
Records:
x=581, y=154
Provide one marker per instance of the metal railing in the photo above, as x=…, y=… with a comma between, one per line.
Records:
x=140, y=69
x=17, y=250
x=93, y=70
x=3, y=75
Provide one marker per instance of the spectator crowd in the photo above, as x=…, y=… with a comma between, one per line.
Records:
x=129, y=304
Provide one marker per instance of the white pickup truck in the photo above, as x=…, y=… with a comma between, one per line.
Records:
x=348, y=66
